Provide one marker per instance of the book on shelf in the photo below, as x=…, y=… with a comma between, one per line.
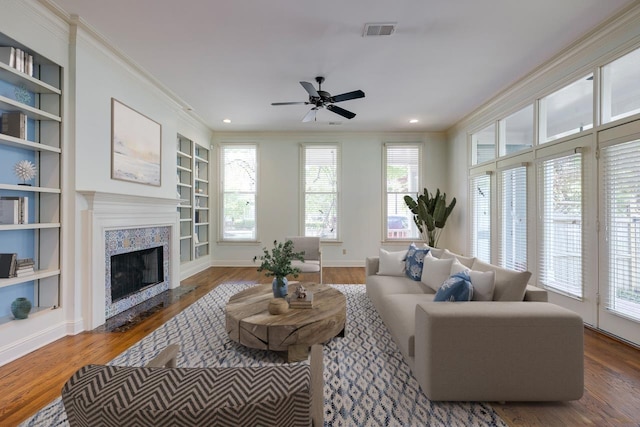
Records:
x=16, y=207
x=7, y=265
x=8, y=55
x=14, y=123
x=17, y=58
x=25, y=272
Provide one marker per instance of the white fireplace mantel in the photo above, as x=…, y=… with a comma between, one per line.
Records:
x=109, y=211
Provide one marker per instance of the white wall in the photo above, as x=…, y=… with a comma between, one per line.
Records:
x=361, y=197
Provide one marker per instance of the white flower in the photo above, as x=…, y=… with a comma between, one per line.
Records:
x=25, y=170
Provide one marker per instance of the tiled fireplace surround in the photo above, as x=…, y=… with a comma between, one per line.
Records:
x=116, y=224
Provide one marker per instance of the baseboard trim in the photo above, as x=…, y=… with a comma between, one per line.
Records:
x=26, y=345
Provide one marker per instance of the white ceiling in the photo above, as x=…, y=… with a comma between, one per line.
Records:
x=231, y=59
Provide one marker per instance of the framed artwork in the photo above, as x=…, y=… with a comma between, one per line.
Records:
x=136, y=143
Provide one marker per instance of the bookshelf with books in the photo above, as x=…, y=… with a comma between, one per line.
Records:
x=30, y=126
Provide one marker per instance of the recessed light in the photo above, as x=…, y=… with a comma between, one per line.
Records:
x=414, y=121
x=226, y=121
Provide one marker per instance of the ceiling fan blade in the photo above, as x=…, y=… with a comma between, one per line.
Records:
x=344, y=113
x=310, y=116
x=347, y=96
x=310, y=89
x=289, y=103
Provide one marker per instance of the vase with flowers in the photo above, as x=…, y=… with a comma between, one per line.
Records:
x=277, y=264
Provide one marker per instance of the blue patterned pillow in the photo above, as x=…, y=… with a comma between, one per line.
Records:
x=414, y=262
x=455, y=288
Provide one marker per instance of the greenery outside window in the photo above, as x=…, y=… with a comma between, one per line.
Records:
x=238, y=169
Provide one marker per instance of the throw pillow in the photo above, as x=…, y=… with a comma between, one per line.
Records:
x=414, y=262
x=510, y=285
x=435, y=271
x=457, y=267
x=391, y=263
x=467, y=261
x=483, y=283
x=455, y=288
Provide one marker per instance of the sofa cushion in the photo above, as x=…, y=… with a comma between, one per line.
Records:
x=510, y=285
x=399, y=317
x=435, y=271
x=464, y=260
x=455, y=288
x=378, y=287
x=391, y=263
x=483, y=283
x=414, y=261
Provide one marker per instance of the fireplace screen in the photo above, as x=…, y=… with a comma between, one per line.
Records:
x=134, y=271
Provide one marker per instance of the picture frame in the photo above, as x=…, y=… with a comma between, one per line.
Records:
x=136, y=146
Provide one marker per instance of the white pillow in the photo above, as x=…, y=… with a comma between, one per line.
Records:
x=483, y=283
x=391, y=263
x=435, y=271
x=457, y=266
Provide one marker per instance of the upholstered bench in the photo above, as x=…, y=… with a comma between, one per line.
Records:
x=291, y=395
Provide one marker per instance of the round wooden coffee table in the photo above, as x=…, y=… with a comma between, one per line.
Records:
x=292, y=333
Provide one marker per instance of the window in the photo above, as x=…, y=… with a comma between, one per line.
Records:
x=402, y=177
x=513, y=225
x=621, y=87
x=560, y=207
x=567, y=111
x=483, y=145
x=320, y=177
x=621, y=185
x=238, y=168
x=481, y=217
x=516, y=131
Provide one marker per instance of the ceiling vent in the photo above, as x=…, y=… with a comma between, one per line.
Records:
x=379, y=29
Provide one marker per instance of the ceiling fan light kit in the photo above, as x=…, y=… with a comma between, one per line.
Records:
x=323, y=99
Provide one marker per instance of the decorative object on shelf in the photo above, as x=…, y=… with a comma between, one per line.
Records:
x=278, y=306
x=135, y=149
x=22, y=95
x=277, y=263
x=21, y=308
x=430, y=214
x=25, y=170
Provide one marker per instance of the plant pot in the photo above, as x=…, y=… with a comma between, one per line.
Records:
x=279, y=286
x=21, y=308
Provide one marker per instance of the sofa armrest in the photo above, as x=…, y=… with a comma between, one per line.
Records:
x=371, y=265
x=499, y=351
x=534, y=293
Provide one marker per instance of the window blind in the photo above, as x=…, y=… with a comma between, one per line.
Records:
x=321, y=183
x=560, y=198
x=238, y=165
x=480, y=198
x=402, y=175
x=621, y=185
x=513, y=225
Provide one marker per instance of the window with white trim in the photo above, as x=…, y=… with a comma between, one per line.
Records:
x=560, y=209
x=483, y=145
x=480, y=197
x=321, y=184
x=621, y=87
x=238, y=188
x=402, y=174
x=621, y=192
x=516, y=131
x=567, y=111
x=513, y=221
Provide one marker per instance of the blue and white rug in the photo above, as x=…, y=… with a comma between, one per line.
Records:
x=367, y=383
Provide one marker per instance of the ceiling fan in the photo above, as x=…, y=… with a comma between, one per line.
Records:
x=322, y=99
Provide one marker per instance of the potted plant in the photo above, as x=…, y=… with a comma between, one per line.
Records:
x=277, y=263
x=430, y=214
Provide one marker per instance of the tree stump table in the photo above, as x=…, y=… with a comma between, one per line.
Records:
x=292, y=333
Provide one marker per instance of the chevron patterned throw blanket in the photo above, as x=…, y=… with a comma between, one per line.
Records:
x=367, y=383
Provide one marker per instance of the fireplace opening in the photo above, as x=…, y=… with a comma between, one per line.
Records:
x=133, y=271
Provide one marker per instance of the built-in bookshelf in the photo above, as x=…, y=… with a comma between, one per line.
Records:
x=193, y=192
x=201, y=201
x=33, y=97
x=185, y=195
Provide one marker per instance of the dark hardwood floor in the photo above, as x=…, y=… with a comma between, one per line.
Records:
x=612, y=368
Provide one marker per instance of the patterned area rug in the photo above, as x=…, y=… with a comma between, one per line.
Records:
x=367, y=383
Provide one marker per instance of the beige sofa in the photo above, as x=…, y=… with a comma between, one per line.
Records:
x=518, y=348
